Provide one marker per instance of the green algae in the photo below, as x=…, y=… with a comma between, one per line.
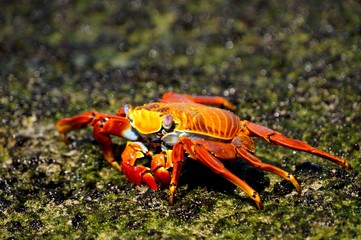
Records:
x=294, y=67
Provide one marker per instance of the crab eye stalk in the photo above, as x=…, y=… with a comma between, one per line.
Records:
x=127, y=109
x=168, y=122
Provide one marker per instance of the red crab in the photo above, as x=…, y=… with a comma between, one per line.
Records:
x=164, y=131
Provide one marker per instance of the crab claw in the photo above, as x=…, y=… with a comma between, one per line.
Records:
x=159, y=165
x=104, y=125
x=140, y=175
x=66, y=125
x=137, y=174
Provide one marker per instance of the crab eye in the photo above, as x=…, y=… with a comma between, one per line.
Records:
x=168, y=121
x=127, y=108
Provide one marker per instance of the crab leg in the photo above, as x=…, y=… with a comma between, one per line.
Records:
x=177, y=159
x=256, y=162
x=104, y=125
x=216, y=100
x=228, y=151
x=205, y=157
x=277, y=138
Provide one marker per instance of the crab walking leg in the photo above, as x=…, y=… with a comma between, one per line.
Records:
x=205, y=157
x=277, y=138
x=256, y=162
x=217, y=166
x=230, y=151
x=216, y=100
x=178, y=160
x=137, y=174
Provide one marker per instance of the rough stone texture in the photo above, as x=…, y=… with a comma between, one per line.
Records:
x=294, y=67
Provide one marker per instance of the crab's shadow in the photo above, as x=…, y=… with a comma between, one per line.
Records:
x=195, y=175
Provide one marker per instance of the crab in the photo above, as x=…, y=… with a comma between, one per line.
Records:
x=164, y=131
